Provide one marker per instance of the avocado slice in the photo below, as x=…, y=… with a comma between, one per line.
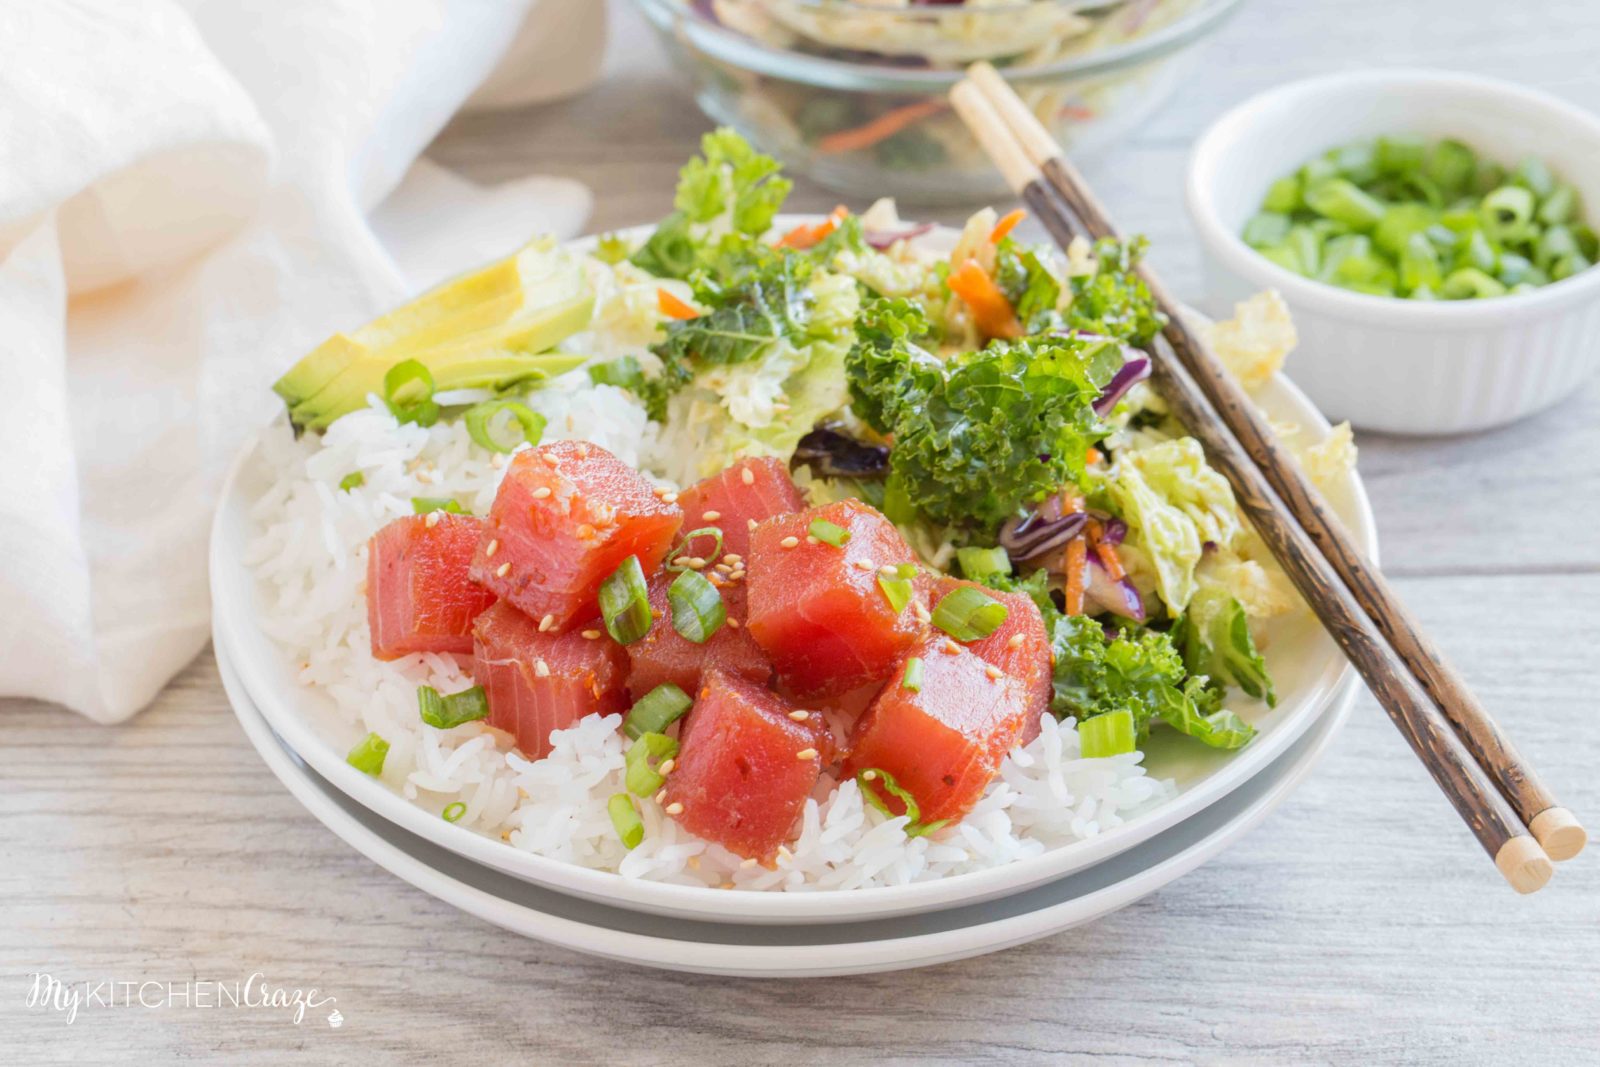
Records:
x=483, y=329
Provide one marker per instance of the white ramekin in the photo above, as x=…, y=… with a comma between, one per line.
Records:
x=1404, y=366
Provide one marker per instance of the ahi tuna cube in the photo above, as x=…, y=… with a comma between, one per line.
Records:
x=566, y=515
x=664, y=655
x=1020, y=647
x=818, y=610
x=943, y=741
x=745, y=766
x=540, y=681
x=748, y=492
x=419, y=596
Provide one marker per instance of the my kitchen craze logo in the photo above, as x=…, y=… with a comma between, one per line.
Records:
x=255, y=993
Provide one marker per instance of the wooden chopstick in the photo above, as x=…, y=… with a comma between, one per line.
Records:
x=1499, y=828
x=1557, y=829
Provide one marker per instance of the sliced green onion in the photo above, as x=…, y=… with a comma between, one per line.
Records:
x=697, y=608
x=980, y=563
x=408, y=393
x=1533, y=175
x=480, y=424
x=625, y=820
x=1110, y=734
x=656, y=710
x=1559, y=207
x=367, y=757
x=1450, y=165
x=1283, y=195
x=644, y=756
x=912, y=677
x=625, y=602
x=623, y=372
x=682, y=550
x=1420, y=265
x=1266, y=229
x=1470, y=283
x=915, y=827
x=445, y=712
x=1342, y=200
x=829, y=533
x=453, y=811
x=421, y=505
x=968, y=614
x=353, y=480
x=897, y=587
x=1507, y=213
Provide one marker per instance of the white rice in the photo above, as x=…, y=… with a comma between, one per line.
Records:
x=309, y=553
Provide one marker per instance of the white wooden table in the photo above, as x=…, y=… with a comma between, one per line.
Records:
x=1358, y=925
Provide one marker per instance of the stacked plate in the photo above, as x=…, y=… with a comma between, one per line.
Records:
x=1222, y=795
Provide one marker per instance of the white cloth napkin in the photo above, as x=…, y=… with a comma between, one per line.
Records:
x=191, y=196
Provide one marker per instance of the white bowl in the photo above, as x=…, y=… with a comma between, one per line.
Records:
x=1404, y=366
x=1306, y=666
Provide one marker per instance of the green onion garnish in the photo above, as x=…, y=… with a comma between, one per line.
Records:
x=968, y=614
x=915, y=827
x=715, y=532
x=1110, y=734
x=453, y=811
x=353, y=480
x=623, y=372
x=367, y=757
x=625, y=820
x=480, y=421
x=980, y=563
x=830, y=533
x=421, y=505
x=656, y=710
x=408, y=393
x=625, y=602
x=697, y=608
x=444, y=712
x=912, y=678
x=644, y=755
x=898, y=588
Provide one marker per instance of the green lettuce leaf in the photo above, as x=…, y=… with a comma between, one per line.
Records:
x=1214, y=636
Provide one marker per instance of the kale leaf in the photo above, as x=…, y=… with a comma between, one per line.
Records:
x=1114, y=301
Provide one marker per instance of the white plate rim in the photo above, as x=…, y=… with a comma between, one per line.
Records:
x=261, y=667
x=820, y=959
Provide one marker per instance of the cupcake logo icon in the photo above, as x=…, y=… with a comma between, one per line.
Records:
x=335, y=1019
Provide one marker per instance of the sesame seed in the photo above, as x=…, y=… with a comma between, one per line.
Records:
x=1015, y=642
x=732, y=557
x=661, y=795
x=502, y=570
x=922, y=613
x=585, y=532
x=591, y=635
x=432, y=520
x=800, y=715
x=711, y=516
x=694, y=563
x=669, y=497
x=951, y=648
x=724, y=568
x=541, y=492
x=747, y=476
x=547, y=623
x=674, y=808
x=749, y=524
x=493, y=547
x=784, y=853
x=541, y=668
x=747, y=864
x=693, y=863
x=550, y=460
x=863, y=565
x=888, y=571
x=789, y=542
x=583, y=451
x=498, y=462
x=992, y=671
x=732, y=624
x=870, y=775
x=806, y=753
x=666, y=766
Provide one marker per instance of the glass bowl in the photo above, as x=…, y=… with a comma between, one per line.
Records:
x=853, y=92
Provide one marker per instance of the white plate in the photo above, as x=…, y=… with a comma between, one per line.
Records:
x=1305, y=664
x=796, y=950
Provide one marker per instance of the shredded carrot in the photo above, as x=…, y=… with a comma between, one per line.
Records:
x=807, y=235
x=1006, y=225
x=1074, y=563
x=1092, y=455
x=1106, y=551
x=673, y=308
x=879, y=129
x=991, y=311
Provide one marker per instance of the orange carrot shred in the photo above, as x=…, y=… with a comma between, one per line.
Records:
x=879, y=129
x=1106, y=551
x=1006, y=225
x=1092, y=455
x=673, y=308
x=991, y=311
x=1076, y=559
x=807, y=235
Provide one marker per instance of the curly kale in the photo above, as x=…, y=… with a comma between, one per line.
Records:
x=1114, y=301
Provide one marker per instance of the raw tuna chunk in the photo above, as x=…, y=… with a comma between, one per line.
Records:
x=750, y=490
x=565, y=516
x=818, y=610
x=419, y=598
x=1019, y=647
x=538, y=682
x=664, y=655
x=745, y=768
x=943, y=742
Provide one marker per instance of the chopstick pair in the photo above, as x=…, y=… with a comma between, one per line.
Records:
x=1514, y=817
